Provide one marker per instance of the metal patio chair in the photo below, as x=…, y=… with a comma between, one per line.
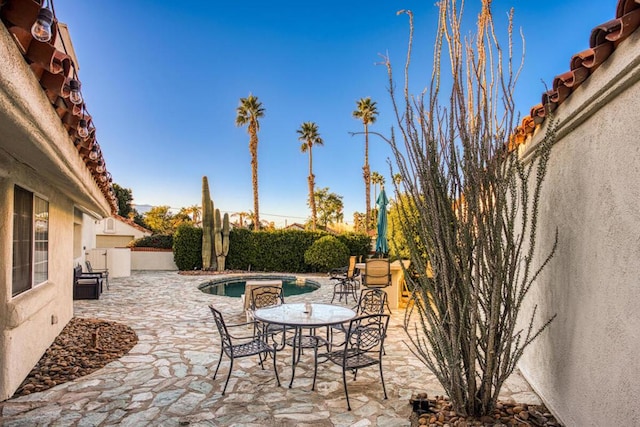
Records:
x=363, y=348
x=254, y=345
x=347, y=283
x=267, y=296
x=377, y=274
x=371, y=301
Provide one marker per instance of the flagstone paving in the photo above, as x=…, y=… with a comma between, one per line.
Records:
x=166, y=379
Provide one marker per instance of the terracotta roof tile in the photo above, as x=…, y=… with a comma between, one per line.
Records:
x=603, y=40
x=55, y=69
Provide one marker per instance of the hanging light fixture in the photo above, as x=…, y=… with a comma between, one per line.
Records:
x=75, y=96
x=83, y=129
x=41, y=29
x=95, y=152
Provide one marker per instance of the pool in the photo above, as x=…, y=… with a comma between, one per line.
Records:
x=234, y=286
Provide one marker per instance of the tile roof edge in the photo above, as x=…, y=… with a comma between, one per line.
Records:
x=604, y=39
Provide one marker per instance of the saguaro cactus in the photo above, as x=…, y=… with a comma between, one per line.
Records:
x=207, y=225
x=217, y=239
x=225, y=242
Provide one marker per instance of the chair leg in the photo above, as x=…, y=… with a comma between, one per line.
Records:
x=346, y=392
x=218, y=367
x=228, y=376
x=315, y=365
x=275, y=368
x=384, y=389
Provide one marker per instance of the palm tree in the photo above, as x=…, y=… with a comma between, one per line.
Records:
x=193, y=211
x=309, y=136
x=367, y=112
x=376, y=179
x=248, y=113
x=241, y=216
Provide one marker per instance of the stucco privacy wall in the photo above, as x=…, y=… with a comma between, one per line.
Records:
x=586, y=366
x=36, y=154
x=32, y=320
x=149, y=259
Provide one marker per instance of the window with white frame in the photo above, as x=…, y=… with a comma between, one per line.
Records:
x=30, y=240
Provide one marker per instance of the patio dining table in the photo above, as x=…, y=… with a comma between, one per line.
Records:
x=301, y=316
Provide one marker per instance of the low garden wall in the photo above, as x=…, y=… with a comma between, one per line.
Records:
x=152, y=259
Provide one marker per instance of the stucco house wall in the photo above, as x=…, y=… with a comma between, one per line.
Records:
x=36, y=154
x=585, y=366
x=115, y=231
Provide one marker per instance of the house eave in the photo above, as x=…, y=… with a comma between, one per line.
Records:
x=33, y=135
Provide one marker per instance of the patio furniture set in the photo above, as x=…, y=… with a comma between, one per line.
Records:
x=89, y=284
x=352, y=338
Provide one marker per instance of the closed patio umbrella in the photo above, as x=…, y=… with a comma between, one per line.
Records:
x=382, y=247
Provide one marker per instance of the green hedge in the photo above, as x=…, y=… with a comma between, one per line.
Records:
x=187, y=247
x=280, y=250
x=283, y=250
x=162, y=241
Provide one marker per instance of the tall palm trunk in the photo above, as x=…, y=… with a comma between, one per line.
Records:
x=366, y=174
x=312, y=197
x=253, y=148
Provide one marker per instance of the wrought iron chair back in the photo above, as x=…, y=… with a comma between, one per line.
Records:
x=247, y=346
x=265, y=296
x=372, y=301
x=363, y=348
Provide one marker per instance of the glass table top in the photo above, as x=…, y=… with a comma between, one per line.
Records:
x=305, y=314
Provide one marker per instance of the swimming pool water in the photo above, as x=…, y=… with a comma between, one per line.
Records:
x=234, y=287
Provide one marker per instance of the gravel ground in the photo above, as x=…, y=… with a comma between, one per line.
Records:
x=83, y=346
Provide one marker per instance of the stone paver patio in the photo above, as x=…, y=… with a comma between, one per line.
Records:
x=165, y=380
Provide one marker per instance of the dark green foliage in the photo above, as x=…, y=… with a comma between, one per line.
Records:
x=359, y=244
x=241, y=250
x=161, y=241
x=282, y=250
x=125, y=198
x=187, y=247
x=326, y=253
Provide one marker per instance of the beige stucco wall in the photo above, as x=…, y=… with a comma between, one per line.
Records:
x=152, y=260
x=112, y=232
x=586, y=365
x=32, y=320
x=37, y=154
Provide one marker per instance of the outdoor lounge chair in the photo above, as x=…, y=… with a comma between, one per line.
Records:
x=86, y=285
x=103, y=272
x=249, y=346
x=363, y=348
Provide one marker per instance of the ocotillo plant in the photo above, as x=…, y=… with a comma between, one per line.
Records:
x=207, y=225
x=470, y=213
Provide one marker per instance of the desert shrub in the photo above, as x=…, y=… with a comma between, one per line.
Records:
x=187, y=247
x=160, y=241
x=326, y=253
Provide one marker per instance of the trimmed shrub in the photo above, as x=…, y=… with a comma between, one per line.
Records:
x=187, y=247
x=326, y=253
x=162, y=241
x=359, y=244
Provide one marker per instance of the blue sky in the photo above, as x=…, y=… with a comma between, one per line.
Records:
x=162, y=80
